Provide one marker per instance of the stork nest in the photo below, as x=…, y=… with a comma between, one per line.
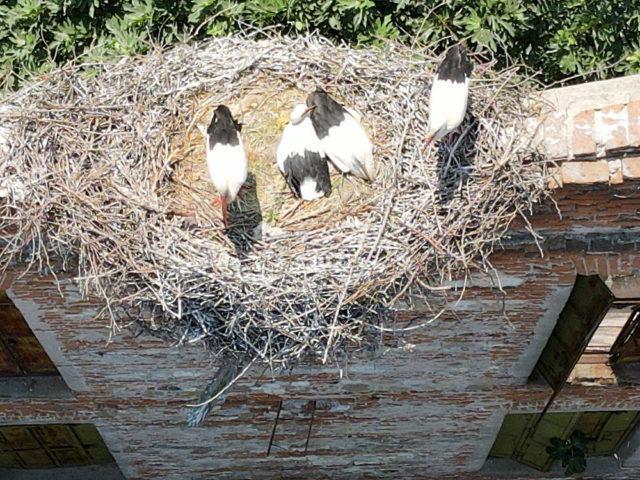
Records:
x=104, y=176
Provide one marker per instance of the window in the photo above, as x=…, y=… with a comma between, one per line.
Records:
x=587, y=305
x=20, y=352
x=521, y=440
x=52, y=446
x=25, y=367
x=611, y=344
x=595, y=332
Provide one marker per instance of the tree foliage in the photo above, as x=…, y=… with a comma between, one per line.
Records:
x=557, y=38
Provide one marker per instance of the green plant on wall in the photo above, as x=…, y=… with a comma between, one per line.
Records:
x=571, y=452
x=557, y=38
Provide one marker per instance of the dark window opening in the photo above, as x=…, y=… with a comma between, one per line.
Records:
x=20, y=352
x=525, y=437
x=52, y=446
x=25, y=368
x=595, y=332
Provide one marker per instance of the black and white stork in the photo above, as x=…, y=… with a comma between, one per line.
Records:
x=342, y=138
x=226, y=158
x=300, y=157
x=449, y=93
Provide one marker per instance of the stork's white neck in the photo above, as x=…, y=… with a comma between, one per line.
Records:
x=298, y=114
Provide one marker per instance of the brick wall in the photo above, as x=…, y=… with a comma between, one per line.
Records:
x=427, y=404
x=594, y=131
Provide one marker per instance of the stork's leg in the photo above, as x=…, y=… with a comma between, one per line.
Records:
x=430, y=143
x=441, y=132
x=223, y=201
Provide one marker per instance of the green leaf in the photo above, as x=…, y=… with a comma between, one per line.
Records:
x=334, y=22
x=484, y=37
x=556, y=449
x=579, y=440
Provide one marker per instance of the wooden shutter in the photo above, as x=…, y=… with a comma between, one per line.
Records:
x=587, y=305
x=626, y=348
x=615, y=430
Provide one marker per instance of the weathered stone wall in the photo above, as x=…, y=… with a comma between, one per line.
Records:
x=596, y=127
x=428, y=404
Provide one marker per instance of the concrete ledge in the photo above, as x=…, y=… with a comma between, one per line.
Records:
x=507, y=468
x=49, y=386
x=92, y=472
x=593, y=95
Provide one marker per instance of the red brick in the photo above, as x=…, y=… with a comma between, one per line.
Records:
x=615, y=172
x=555, y=178
x=633, y=112
x=631, y=168
x=555, y=135
x=585, y=172
x=611, y=127
x=583, y=141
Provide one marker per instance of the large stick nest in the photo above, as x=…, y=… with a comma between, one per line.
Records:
x=103, y=175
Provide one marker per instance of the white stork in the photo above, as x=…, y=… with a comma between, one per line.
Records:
x=449, y=93
x=226, y=159
x=301, y=159
x=341, y=136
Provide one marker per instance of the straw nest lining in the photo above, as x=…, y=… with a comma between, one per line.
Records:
x=99, y=185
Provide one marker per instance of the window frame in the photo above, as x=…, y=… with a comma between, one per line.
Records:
x=563, y=423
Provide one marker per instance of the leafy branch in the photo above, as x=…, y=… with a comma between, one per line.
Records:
x=558, y=38
x=572, y=452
